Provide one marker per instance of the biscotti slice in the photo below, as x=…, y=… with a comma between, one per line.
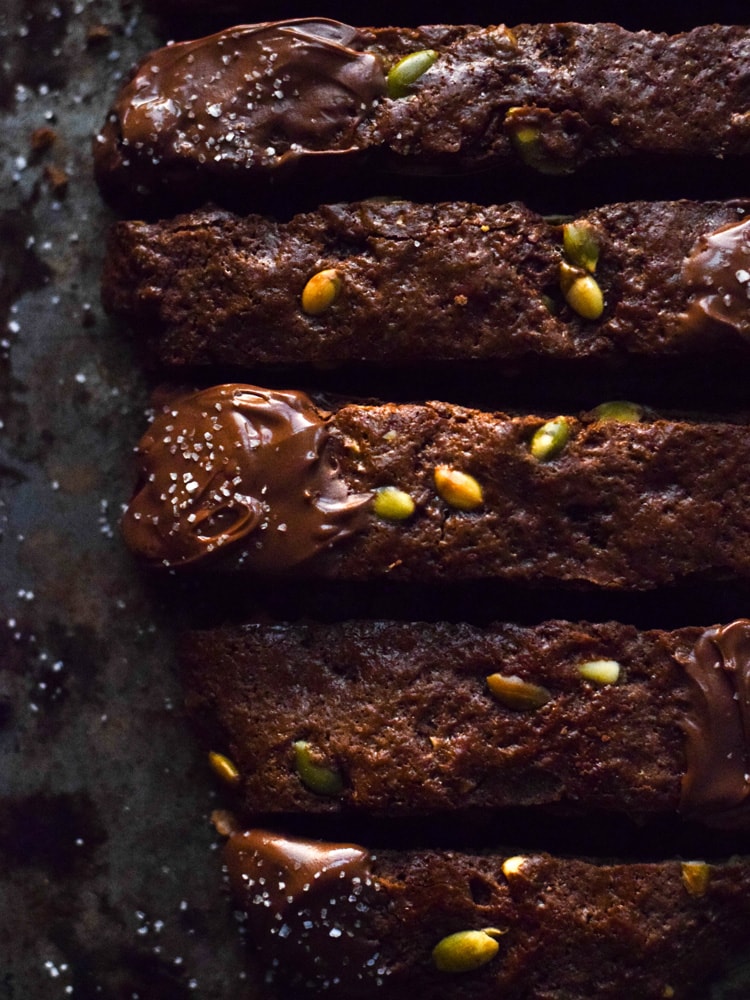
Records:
x=237, y=477
x=396, y=281
x=394, y=718
x=233, y=111
x=337, y=919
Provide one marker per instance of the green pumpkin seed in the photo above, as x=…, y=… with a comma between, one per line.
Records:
x=393, y=504
x=619, y=410
x=316, y=777
x=580, y=245
x=550, y=439
x=466, y=950
x=408, y=70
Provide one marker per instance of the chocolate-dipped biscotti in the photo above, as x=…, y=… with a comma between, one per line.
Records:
x=232, y=112
x=394, y=282
x=412, y=718
x=337, y=919
x=236, y=477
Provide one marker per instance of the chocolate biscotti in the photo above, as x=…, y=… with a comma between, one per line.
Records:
x=236, y=477
x=394, y=718
x=393, y=282
x=337, y=919
x=231, y=112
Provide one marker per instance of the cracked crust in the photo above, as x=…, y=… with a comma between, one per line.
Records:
x=418, y=283
x=548, y=97
x=623, y=505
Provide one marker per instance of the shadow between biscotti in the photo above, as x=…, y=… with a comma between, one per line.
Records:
x=599, y=836
x=208, y=600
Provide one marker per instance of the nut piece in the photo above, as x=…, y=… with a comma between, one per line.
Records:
x=696, y=876
x=516, y=693
x=407, y=71
x=321, y=291
x=549, y=304
x=466, y=950
x=393, y=504
x=513, y=867
x=580, y=245
x=550, y=439
x=536, y=135
x=600, y=671
x=526, y=139
x=581, y=291
x=224, y=768
x=315, y=777
x=618, y=409
x=458, y=489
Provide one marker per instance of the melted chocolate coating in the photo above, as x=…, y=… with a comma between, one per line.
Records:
x=718, y=273
x=307, y=900
x=236, y=464
x=717, y=747
x=256, y=97
x=542, y=97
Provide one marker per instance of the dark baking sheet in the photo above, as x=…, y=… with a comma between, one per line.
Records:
x=110, y=884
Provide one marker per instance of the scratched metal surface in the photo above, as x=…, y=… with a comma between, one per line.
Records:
x=109, y=881
x=108, y=884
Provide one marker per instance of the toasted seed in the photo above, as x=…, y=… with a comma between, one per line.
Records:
x=581, y=291
x=516, y=693
x=523, y=135
x=550, y=439
x=407, y=71
x=526, y=140
x=619, y=410
x=523, y=132
x=321, y=291
x=458, y=489
x=549, y=304
x=316, y=777
x=393, y=504
x=513, y=867
x=600, y=671
x=526, y=136
x=696, y=876
x=224, y=768
x=466, y=950
x=580, y=245
x=585, y=297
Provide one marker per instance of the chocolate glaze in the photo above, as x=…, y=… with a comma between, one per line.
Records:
x=306, y=902
x=236, y=464
x=253, y=97
x=717, y=273
x=717, y=779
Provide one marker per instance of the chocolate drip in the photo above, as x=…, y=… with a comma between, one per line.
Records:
x=717, y=779
x=717, y=273
x=307, y=904
x=236, y=464
x=255, y=96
